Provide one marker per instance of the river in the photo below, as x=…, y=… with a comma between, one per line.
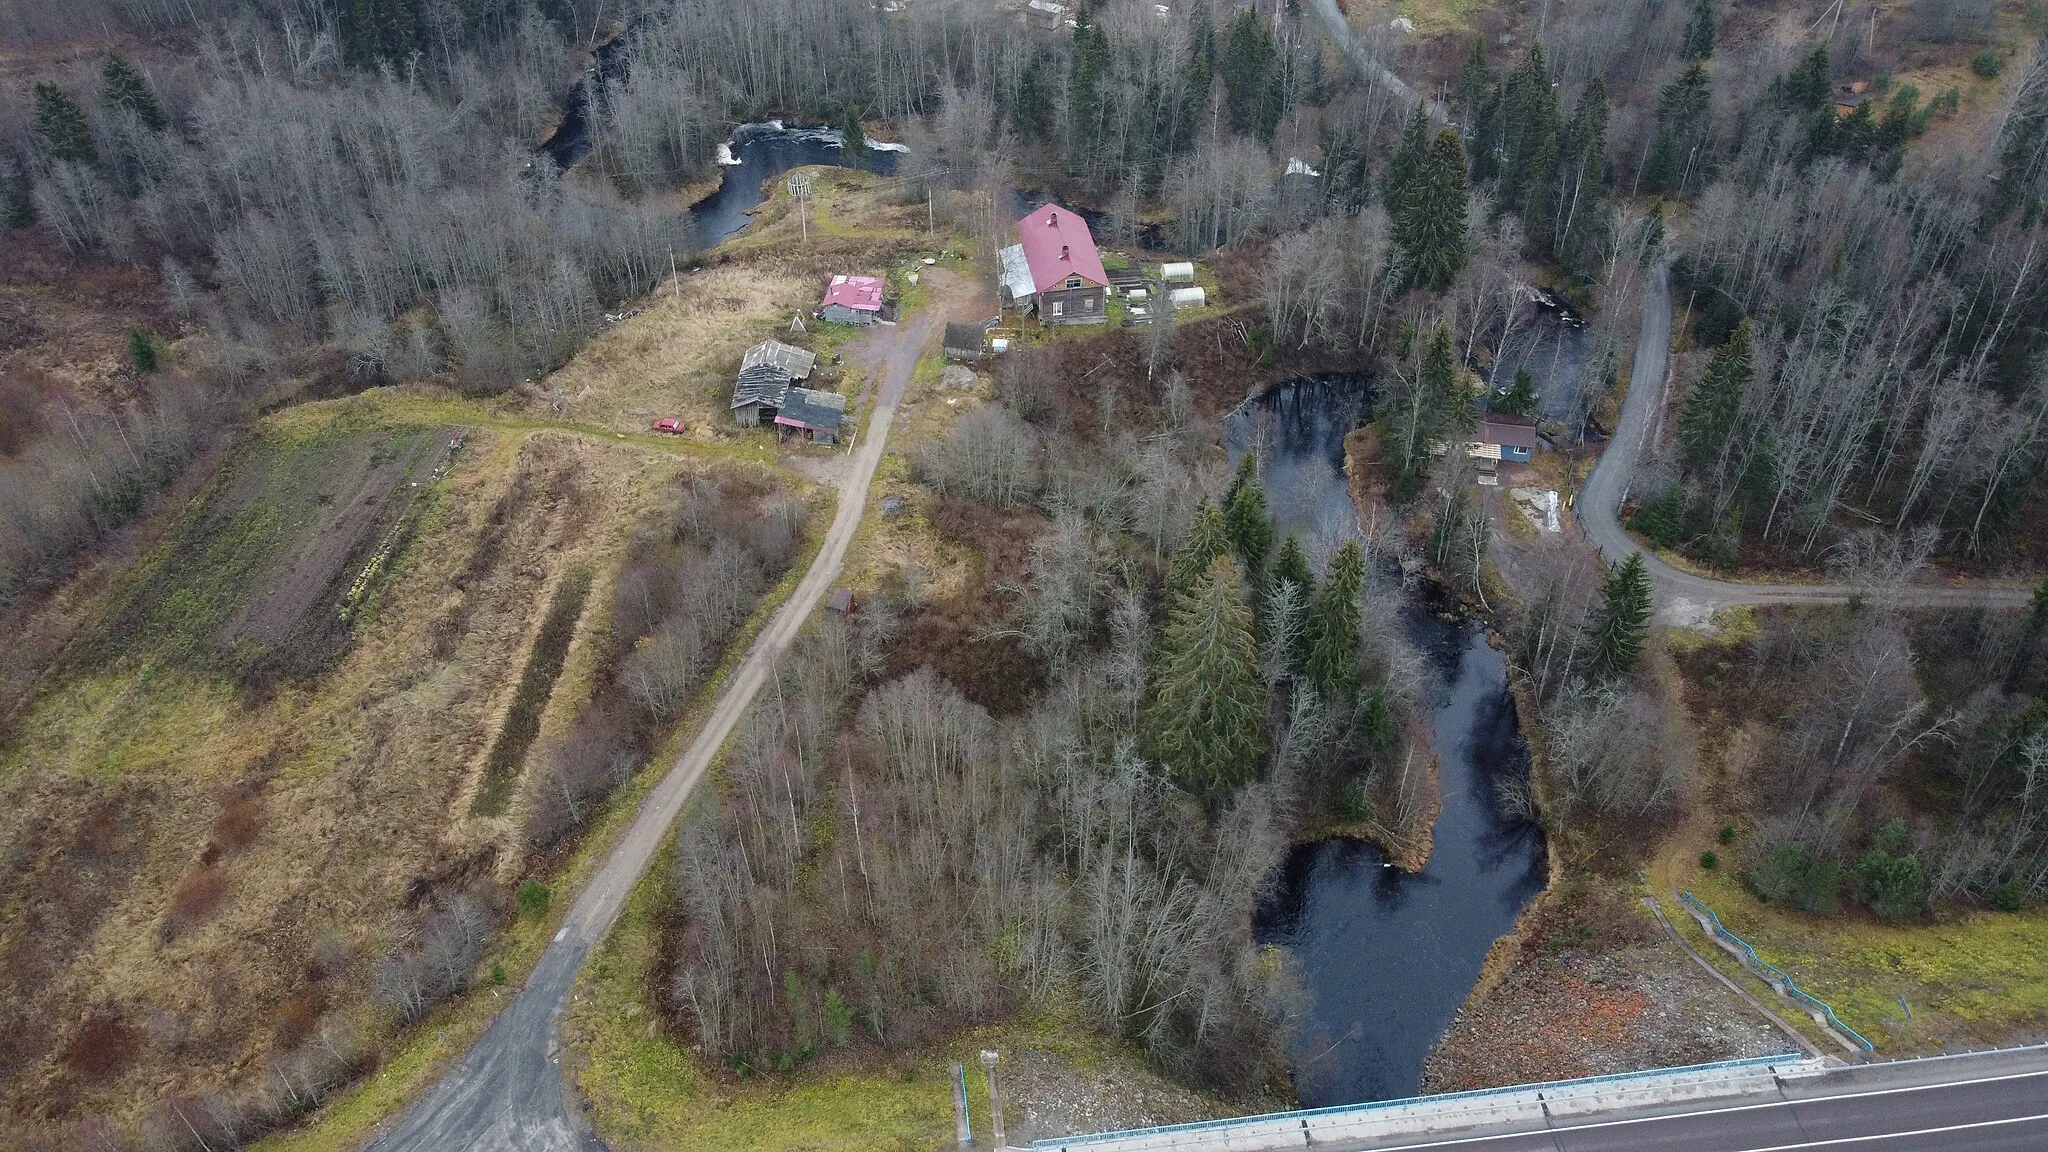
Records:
x=1389, y=956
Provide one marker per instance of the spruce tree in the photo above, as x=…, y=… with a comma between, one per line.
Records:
x=141, y=352
x=1206, y=539
x=1683, y=130
x=1406, y=160
x=62, y=126
x=1290, y=567
x=1529, y=127
x=1206, y=721
x=121, y=86
x=1520, y=400
x=1249, y=524
x=1332, y=664
x=17, y=208
x=1699, y=31
x=1251, y=76
x=1475, y=81
x=1622, y=622
x=1708, y=419
x=856, y=136
x=1431, y=224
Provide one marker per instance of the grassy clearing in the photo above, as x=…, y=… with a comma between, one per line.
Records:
x=1977, y=978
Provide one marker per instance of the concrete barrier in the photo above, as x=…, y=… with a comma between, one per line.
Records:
x=1528, y=1105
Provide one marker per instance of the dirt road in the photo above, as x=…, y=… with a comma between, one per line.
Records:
x=507, y=1093
x=1682, y=597
x=1346, y=38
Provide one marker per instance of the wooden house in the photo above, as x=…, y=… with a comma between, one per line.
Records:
x=1057, y=254
x=852, y=300
x=811, y=414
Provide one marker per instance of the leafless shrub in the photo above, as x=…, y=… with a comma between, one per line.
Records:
x=990, y=456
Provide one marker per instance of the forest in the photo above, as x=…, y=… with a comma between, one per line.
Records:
x=329, y=197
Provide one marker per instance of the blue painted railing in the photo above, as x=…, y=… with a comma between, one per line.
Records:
x=1777, y=976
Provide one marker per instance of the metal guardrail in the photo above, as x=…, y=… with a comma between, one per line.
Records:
x=1377, y=1106
x=1777, y=977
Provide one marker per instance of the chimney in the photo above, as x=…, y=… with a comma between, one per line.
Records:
x=1052, y=219
x=1063, y=251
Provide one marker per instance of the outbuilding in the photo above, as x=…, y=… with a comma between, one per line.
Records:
x=766, y=372
x=964, y=341
x=812, y=414
x=852, y=300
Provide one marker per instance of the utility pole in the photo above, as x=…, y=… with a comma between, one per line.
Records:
x=800, y=187
x=675, y=278
x=929, y=230
x=995, y=1100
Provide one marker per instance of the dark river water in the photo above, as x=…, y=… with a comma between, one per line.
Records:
x=1389, y=956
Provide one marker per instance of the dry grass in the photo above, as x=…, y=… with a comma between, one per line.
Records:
x=678, y=356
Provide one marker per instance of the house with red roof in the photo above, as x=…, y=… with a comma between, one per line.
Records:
x=1055, y=270
x=852, y=300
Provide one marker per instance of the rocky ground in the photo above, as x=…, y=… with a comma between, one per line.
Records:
x=1048, y=1094
x=1577, y=1013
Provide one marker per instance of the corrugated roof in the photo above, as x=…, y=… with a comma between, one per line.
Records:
x=793, y=362
x=860, y=293
x=1017, y=273
x=1508, y=430
x=1057, y=244
x=809, y=408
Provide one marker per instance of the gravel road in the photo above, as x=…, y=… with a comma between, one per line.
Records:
x=1682, y=597
x=507, y=1092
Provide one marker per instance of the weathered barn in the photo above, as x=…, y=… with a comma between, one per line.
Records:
x=766, y=372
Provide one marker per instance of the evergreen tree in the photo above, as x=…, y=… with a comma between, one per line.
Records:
x=1809, y=86
x=62, y=126
x=377, y=32
x=1206, y=721
x=1332, y=663
x=1406, y=160
x=1033, y=111
x=1347, y=182
x=1251, y=76
x=1576, y=214
x=1430, y=226
x=1683, y=130
x=1529, y=130
x=1434, y=408
x=1622, y=622
x=1475, y=81
x=121, y=86
x=1086, y=68
x=1290, y=567
x=1699, y=31
x=1248, y=523
x=141, y=352
x=1519, y=400
x=17, y=208
x=1207, y=538
x=1708, y=419
x=856, y=136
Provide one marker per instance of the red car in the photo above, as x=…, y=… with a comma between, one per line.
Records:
x=671, y=425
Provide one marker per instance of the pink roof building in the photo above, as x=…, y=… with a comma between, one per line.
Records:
x=1057, y=245
x=854, y=293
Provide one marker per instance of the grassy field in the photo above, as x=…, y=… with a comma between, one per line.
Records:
x=1971, y=979
x=271, y=742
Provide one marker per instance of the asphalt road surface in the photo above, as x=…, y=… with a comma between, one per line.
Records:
x=1988, y=1102
x=1682, y=597
x=507, y=1093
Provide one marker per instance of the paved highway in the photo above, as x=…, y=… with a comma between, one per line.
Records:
x=1682, y=597
x=506, y=1094
x=1990, y=1102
